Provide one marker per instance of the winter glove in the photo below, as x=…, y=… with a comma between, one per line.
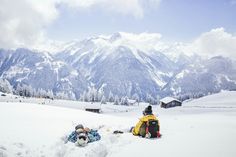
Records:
x=158, y=134
x=148, y=135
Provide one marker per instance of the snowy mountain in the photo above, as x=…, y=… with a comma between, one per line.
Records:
x=122, y=63
x=117, y=65
x=206, y=76
x=127, y=64
x=40, y=70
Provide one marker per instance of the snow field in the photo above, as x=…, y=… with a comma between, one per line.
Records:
x=202, y=127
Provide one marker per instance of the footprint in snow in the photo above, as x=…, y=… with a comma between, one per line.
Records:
x=19, y=145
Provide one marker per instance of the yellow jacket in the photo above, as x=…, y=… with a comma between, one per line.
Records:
x=142, y=120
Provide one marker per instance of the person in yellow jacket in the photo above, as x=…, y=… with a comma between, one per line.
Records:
x=142, y=127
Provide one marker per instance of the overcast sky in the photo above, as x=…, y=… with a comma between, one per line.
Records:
x=27, y=22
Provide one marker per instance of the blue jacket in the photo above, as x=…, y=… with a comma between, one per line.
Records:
x=93, y=135
x=72, y=137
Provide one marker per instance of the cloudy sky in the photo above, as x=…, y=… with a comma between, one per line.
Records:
x=209, y=25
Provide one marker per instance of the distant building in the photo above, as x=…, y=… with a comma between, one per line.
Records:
x=131, y=102
x=93, y=108
x=168, y=102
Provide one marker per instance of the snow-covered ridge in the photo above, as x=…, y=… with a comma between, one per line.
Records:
x=40, y=71
x=146, y=42
x=128, y=64
x=145, y=54
x=224, y=99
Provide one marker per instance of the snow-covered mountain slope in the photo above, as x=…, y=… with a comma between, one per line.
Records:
x=29, y=129
x=207, y=76
x=122, y=63
x=40, y=70
x=126, y=64
x=119, y=65
x=224, y=99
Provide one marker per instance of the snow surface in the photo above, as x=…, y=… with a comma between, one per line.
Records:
x=202, y=127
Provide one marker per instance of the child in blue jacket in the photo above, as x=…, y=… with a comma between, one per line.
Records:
x=83, y=135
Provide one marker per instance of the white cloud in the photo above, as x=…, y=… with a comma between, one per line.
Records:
x=23, y=22
x=212, y=43
x=143, y=41
x=151, y=38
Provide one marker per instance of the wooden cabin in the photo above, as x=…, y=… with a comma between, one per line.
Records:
x=93, y=108
x=168, y=102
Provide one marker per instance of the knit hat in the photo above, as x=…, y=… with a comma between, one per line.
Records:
x=148, y=110
x=79, y=126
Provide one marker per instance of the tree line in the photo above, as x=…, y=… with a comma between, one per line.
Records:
x=90, y=95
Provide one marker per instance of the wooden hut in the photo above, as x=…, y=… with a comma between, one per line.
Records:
x=168, y=102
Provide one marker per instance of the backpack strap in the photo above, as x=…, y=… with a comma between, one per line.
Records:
x=147, y=125
x=148, y=135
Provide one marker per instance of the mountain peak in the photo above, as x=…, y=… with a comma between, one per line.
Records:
x=115, y=36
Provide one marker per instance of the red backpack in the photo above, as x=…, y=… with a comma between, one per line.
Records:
x=152, y=129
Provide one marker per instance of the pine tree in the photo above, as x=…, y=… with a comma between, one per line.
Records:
x=150, y=99
x=111, y=97
x=85, y=97
x=5, y=86
x=24, y=90
x=124, y=101
x=92, y=94
x=103, y=101
x=136, y=97
x=50, y=94
x=100, y=94
x=116, y=102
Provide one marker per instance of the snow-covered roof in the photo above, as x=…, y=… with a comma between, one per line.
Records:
x=131, y=101
x=168, y=99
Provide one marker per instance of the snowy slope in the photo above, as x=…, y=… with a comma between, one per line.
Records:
x=204, y=76
x=142, y=64
x=125, y=64
x=121, y=62
x=40, y=70
x=225, y=99
x=29, y=129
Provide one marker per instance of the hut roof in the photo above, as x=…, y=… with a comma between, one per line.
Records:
x=131, y=101
x=166, y=100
